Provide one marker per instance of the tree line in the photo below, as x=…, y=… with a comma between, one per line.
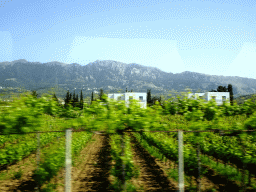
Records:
x=73, y=99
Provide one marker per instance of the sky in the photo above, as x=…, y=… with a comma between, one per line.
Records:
x=215, y=37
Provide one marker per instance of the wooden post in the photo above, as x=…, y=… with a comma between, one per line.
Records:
x=181, y=162
x=68, y=161
x=199, y=169
x=123, y=165
x=38, y=159
x=243, y=170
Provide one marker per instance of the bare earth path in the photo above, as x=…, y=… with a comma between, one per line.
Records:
x=91, y=172
x=152, y=177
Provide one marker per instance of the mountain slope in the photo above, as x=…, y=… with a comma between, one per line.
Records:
x=112, y=76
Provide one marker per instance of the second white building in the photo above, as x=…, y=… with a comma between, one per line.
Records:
x=219, y=97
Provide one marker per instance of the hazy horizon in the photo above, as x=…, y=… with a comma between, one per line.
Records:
x=209, y=37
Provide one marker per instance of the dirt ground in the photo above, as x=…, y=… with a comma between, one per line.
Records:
x=25, y=182
x=154, y=174
x=92, y=172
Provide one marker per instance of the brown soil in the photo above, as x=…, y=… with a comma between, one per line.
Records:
x=92, y=172
x=152, y=176
x=25, y=182
x=157, y=170
x=225, y=183
x=92, y=168
x=27, y=166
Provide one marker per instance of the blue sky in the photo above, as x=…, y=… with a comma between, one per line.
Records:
x=214, y=37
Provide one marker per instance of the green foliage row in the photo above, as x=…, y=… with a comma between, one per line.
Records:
x=116, y=152
x=9, y=139
x=198, y=109
x=168, y=147
x=226, y=149
x=54, y=158
x=17, y=152
x=25, y=114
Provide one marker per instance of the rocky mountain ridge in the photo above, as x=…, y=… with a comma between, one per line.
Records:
x=112, y=76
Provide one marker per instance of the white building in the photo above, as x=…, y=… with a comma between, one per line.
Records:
x=140, y=97
x=219, y=97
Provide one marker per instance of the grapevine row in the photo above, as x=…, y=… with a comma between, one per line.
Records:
x=54, y=158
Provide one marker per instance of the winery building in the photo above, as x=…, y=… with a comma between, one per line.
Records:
x=140, y=97
x=219, y=97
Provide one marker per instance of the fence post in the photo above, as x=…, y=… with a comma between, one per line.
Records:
x=68, y=161
x=181, y=162
x=243, y=171
x=123, y=165
x=38, y=157
x=199, y=168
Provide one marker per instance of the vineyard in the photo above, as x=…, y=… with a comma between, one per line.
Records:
x=109, y=147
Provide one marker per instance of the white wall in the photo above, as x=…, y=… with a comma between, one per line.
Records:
x=125, y=97
x=208, y=96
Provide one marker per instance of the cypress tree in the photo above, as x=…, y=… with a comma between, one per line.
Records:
x=76, y=101
x=81, y=100
x=92, y=98
x=101, y=94
x=67, y=99
x=149, y=96
x=55, y=97
x=230, y=90
x=74, y=96
x=34, y=94
x=126, y=89
x=70, y=96
x=73, y=99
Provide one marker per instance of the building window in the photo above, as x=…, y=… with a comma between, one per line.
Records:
x=200, y=97
x=223, y=98
x=130, y=97
x=141, y=98
x=119, y=98
x=214, y=97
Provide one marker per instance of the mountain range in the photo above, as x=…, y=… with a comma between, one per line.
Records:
x=112, y=76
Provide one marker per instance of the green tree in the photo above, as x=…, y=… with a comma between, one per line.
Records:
x=73, y=100
x=222, y=89
x=101, y=93
x=153, y=100
x=149, y=96
x=67, y=98
x=230, y=90
x=70, y=97
x=54, y=97
x=92, y=97
x=126, y=89
x=81, y=100
x=76, y=101
x=34, y=94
